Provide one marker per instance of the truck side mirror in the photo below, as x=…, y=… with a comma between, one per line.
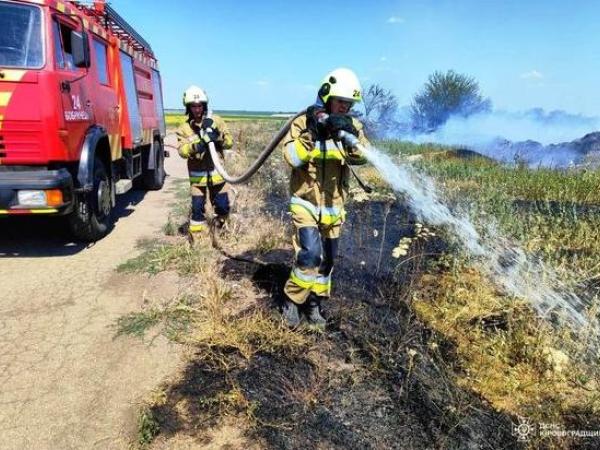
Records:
x=80, y=49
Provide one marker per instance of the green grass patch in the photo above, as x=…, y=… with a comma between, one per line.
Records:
x=174, y=120
x=174, y=321
x=137, y=324
x=158, y=256
x=148, y=427
x=396, y=147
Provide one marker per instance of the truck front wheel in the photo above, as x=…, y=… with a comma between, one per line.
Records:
x=91, y=218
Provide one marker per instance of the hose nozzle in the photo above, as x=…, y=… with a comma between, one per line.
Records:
x=348, y=139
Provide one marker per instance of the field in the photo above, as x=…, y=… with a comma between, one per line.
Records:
x=176, y=118
x=422, y=351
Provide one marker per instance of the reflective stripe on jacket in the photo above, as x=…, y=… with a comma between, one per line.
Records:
x=320, y=173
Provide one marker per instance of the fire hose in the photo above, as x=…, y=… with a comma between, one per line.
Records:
x=348, y=138
x=258, y=162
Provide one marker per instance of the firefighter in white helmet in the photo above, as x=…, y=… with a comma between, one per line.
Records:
x=319, y=185
x=193, y=137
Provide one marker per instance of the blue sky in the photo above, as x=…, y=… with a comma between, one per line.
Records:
x=271, y=55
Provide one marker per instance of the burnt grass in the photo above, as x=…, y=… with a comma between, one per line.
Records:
x=377, y=378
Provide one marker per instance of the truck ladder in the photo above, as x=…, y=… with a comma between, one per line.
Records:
x=113, y=22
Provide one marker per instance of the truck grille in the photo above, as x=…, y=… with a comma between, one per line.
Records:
x=20, y=141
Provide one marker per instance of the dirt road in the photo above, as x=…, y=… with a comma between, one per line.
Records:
x=66, y=381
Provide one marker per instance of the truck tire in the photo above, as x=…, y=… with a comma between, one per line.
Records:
x=92, y=218
x=154, y=179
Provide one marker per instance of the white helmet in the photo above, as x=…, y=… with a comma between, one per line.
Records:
x=341, y=83
x=194, y=94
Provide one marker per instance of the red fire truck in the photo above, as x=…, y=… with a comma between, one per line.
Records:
x=81, y=112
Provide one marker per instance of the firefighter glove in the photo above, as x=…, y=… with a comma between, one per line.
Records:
x=210, y=135
x=340, y=122
x=197, y=150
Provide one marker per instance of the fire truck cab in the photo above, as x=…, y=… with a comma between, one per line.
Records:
x=81, y=112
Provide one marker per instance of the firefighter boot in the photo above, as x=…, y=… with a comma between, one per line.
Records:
x=196, y=231
x=290, y=314
x=313, y=312
x=220, y=222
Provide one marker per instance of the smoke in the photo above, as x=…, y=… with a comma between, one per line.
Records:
x=533, y=125
x=535, y=137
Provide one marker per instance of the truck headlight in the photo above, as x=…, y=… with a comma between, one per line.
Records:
x=32, y=198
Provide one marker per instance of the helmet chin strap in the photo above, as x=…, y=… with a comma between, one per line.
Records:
x=326, y=106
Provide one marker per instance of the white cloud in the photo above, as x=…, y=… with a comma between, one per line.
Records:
x=532, y=75
x=383, y=59
x=262, y=83
x=395, y=20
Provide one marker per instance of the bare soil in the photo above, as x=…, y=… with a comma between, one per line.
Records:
x=67, y=383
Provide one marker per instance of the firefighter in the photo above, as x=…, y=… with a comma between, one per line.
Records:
x=193, y=137
x=319, y=185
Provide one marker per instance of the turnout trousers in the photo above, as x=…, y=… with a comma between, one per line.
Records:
x=315, y=245
x=218, y=195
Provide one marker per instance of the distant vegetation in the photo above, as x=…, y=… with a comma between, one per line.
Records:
x=380, y=109
x=445, y=95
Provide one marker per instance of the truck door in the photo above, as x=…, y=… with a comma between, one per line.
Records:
x=135, y=119
x=77, y=114
x=158, y=101
x=106, y=105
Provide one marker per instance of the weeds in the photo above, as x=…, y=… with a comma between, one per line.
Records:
x=170, y=228
x=137, y=324
x=148, y=427
x=174, y=320
x=158, y=256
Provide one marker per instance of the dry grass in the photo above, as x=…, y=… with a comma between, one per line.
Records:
x=507, y=355
x=243, y=327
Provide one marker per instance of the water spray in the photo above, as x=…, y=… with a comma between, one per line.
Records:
x=504, y=263
x=507, y=265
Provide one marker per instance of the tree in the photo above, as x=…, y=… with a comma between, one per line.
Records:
x=445, y=95
x=380, y=110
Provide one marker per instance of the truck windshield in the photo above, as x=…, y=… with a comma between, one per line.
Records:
x=21, y=42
